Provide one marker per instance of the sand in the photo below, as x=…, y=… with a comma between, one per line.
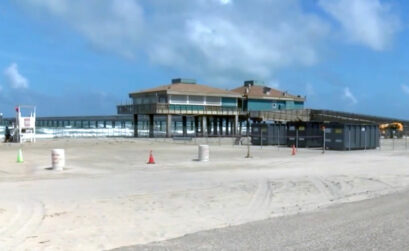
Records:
x=109, y=197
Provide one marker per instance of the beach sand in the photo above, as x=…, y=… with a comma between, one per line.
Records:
x=109, y=197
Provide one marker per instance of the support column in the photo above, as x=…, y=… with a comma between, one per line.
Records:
x=151, y=125
x=197, y=125
x=209, y=127
x=232, y=127
x=184, y=125
x=214, y=126
x=221, y=126
x=204, y=126
x=228, y=126
x=236, y=125
x=168, y=125
x=248, y=127
x=135, y=125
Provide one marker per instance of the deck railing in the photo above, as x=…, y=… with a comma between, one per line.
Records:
x=176, y=109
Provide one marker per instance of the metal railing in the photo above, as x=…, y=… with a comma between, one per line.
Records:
x=176, y=109
x=282, y=115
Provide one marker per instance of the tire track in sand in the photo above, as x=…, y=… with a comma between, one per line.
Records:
x=260, y=204
x=29, y=216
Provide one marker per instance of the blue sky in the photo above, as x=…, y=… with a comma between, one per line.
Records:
x=72, y=57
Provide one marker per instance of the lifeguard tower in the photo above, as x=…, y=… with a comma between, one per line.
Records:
x=25, y=129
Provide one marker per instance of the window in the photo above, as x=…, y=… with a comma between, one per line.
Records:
x=213, y=101
x=196, y=100
x=178, y=99
x=148, y=100
x=137, y=100
x=162, y=99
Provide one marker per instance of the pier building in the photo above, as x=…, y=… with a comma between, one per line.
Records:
x=186, y=108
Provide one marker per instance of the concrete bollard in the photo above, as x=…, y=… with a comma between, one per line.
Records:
x=203, y=153
x=58, y=159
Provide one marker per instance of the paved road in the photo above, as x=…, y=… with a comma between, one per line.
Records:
x=377, y=224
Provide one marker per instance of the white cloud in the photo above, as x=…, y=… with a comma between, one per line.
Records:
x=225, y=1
x=366, y=22
x=405, y=89
x=269, y=36
x=110, y=25
x=349, y=96
x=202, y=37
x=14, y=78
x=220, y=39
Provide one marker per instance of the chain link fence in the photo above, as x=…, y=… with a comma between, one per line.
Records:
x=395, y=144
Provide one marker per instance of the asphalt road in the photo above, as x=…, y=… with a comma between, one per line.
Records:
x=376, y=224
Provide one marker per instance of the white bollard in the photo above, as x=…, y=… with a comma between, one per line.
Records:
x=58, y=159
x=203, y=152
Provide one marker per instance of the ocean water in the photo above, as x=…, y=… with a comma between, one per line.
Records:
x=49, y=132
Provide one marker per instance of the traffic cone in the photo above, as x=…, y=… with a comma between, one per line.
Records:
x=20, y=156
x=294, y=151
x=151, y=159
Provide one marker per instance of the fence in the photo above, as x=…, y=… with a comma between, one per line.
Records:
x=262, y=140
x=395, y=144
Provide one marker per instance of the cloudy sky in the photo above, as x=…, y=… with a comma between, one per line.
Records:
x=74, y=57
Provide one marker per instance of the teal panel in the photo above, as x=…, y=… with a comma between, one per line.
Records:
x=291, y=105
x=298, y=105
x=186, y=107
x=279, y=105
x=231, y=102
x=269, y=105
x=260, y=105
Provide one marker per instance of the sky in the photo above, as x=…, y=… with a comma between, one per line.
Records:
x=73, y=57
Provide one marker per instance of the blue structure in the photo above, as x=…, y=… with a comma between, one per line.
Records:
x=263, y=98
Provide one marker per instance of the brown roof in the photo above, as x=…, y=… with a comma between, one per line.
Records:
x=184, y=88
x=259, y=91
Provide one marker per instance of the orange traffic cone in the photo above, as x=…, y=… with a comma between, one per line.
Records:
x=151, y=159
x=294, y=151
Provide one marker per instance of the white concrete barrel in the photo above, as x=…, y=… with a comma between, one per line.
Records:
x=58, y=159
x=203, y=152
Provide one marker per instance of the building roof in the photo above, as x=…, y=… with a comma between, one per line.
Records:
x=189, y=89
x=264, y=92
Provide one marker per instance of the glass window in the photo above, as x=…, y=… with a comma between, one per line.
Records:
x=213, y=100
x=163, y=99
x=137, y=100
x=199, y=100
x=178, y=99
